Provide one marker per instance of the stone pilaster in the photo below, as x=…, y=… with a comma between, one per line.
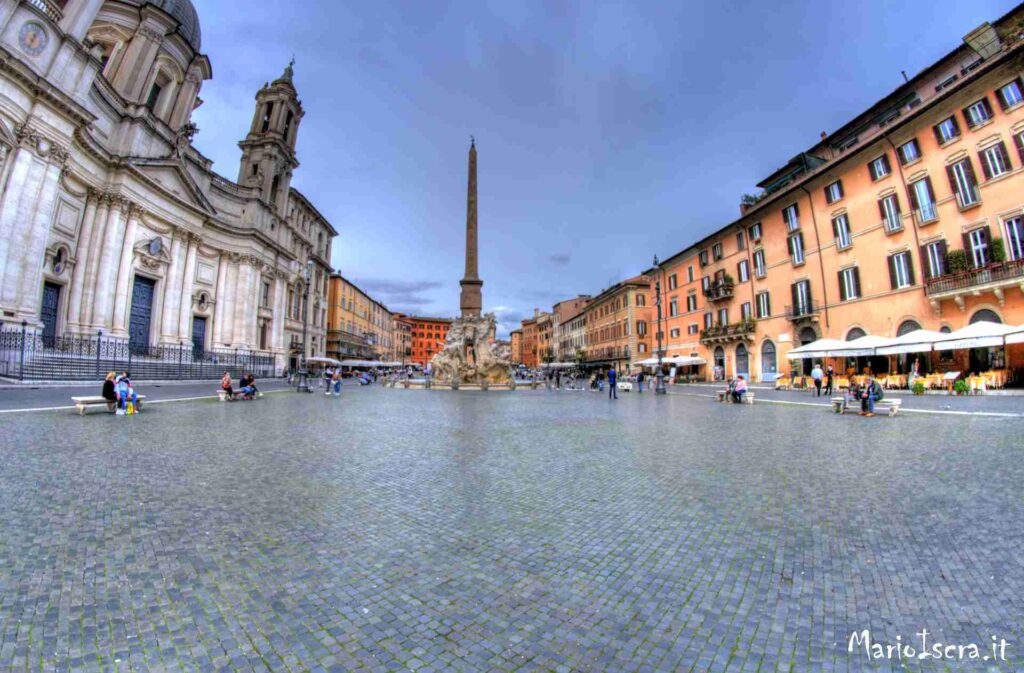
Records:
x=172, y=293
x=185, y=303
x=81, y=262
x=221, y=300
x=124, y=273
x=106, y=275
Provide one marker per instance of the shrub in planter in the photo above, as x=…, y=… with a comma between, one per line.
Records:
x=960, y=387
x=918, y=387
x=998, y=250
x=956, y=261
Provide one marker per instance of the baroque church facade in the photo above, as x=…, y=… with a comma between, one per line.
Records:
x=112, y=223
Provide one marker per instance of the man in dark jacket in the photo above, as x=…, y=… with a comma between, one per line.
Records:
x=869, y=394
x=613, y=389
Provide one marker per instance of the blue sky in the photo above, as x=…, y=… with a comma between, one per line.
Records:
x=606, y=132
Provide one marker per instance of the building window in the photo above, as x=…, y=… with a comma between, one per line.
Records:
x=978, y=113
x=889, y=207
x=691, y=303
x=641, y=348
x=909, y=152
x=723, y=316
x=705, y=283
x=934, y=259
x=716, y=251
x=834, y=191
x=673, y=308
x=764, y=305
x=703, y=257
x=693, y=328
x=709, y=320
x=674, y=333
x=672, y=282
x=1010, y=94
x=1014, y=237
x=755, y=231
x=901, y=271
x=801, y=292
x=963, y=183
x=995, y=161
x=641, y=327
x=791, y=216
x=689, y=274
x=743, y=271
x=796, y=249
x=841, y=230
x=879, y=168
x=265, y=295
x=154, y=96
x=947, y=130
x=759, y=267
x=741, y=240
x=641, y=300
x=849, y=284
x=745, y=312
x=977, y=246
x=923, y=200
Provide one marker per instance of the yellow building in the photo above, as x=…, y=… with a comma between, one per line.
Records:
x=358, y=326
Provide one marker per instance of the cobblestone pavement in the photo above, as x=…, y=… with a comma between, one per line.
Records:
x=531, y=531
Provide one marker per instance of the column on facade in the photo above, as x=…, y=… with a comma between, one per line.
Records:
x=243, y=312
x=280, y=311
x=255, y=298
x=81, y=263
x=106, y=274
x=221, y=299
x=32, y=254
x=92, y=270
x=172, y=289
x=124, y=273
x=185, y=302
x=18, y=183
x=230, y=300
x=132, y=76
x=17, y=227
x=186, y=99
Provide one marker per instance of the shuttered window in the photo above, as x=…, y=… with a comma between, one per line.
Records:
x=922, y=198
x=901, y=271
x=764, y=305
x=759, y=266
x=978, y=113
x=849, y=284
x=909, y=152
x=796, y=248
x=889, y=208
x=834, y=191
x=1014, y=228
x=841, y=231
x=879, y=168
x=963, y=183
x=1010, y=94
x=947, y=130
x=995, y=161
x=976, y=244
x=791, y=216
x=743, y=271
x=933, y=259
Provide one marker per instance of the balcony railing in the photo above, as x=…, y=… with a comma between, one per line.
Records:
x=1011, y=271
x=737, y=331
x=802, y=311
x=971, y=198
x=927, y=213
x=718, y=291
x=50, y=8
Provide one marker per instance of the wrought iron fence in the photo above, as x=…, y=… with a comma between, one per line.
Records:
x=27, y=355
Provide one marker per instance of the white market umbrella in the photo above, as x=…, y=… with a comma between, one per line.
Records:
x=816, y=349
x=866, y=345
x=326, y=361
x=650, y=362
x=1016, y=337
x=918, y=341
x=685, y=360
x=976, y=335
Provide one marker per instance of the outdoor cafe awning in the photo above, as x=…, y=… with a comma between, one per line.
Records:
x=675, y=361
x=918, y=341
x=367, y=363
x=977, y=335
x=322, y=360
x=816, y=349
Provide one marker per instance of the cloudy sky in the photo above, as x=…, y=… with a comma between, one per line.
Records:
x=607, y=132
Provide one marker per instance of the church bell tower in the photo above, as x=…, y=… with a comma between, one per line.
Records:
x=268, y=151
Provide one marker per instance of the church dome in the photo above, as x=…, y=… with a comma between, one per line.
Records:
x=188, y=20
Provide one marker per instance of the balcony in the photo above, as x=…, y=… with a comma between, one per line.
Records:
x=719, y=291
x=740, y=331
x=994, y=278
x=806, y=311
x=50, y=8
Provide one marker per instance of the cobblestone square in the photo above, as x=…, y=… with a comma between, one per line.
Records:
x=395, y=530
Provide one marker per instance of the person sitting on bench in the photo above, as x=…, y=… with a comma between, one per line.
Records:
x=125, y=394
x=869, y=394
x=109, y=393
x=225, y=385
x=739, y=389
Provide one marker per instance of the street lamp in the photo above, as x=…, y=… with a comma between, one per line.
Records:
x=659, y=388
x=302, y=386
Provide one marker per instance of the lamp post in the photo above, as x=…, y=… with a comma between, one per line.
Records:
x=659, y=388
x=302, y=386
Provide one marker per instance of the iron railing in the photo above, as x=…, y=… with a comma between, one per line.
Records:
x=801, y=311
x=993, y=273
x=27, y=355
x=719, y=290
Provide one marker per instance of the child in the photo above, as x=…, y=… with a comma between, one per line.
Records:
x=127, y=400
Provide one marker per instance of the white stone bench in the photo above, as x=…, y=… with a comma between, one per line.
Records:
x=839, y=405
x=891, y=405
x=222, y=395
x=84, y=402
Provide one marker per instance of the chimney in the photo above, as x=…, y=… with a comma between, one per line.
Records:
x=536, y=312
x=824, y=135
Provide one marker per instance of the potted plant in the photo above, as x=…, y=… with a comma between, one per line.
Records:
x=960, y=387
x=956, y=261
x=998, y=250
x=918, y=387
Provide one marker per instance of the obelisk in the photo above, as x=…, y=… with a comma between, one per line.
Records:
x=471, y=299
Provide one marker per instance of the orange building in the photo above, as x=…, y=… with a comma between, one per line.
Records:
x=428, y=337
x=561, y=313
x=619, y=325
x=516, y=338
x=911, y=215
x=531, y=357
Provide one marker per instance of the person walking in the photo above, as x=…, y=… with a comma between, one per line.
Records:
x=817, y=375
x=829, y=376
x=336, y=381
x=613, y=389
x=640, y=381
